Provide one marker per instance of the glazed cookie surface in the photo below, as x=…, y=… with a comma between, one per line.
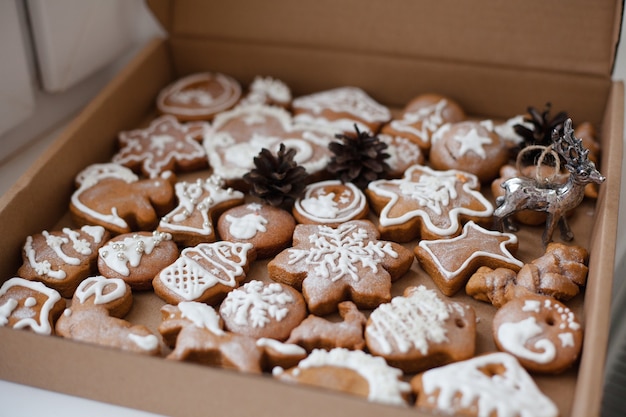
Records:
x=199, y=96
x=402, y=154
x=330, y=202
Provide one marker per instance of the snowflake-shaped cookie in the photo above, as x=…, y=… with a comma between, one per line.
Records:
x=165, y=145
x=427, y=203
x=348, y=262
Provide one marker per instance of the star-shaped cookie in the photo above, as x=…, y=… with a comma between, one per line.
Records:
x=348, y=262
x=427, y=203
x=450, y=262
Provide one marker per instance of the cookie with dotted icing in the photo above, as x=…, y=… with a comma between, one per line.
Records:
x=259, y=309
x=402, y=154
x=239, y=135
x=469, y=146
x=267, y=91
x=137, y=257
x=331, y=203
x=112, y=196
x=343, y=263
x=62, y=259
x=451, y=262
x=494, y=384
x=29, y=305
x=542, y=333
x=422, y=116
x=269, y=229
x=199, y=96
x=421, y=330
x=204, y=273
x=95, y=316
x=165, y=145
x=350, y=371
x=200, y=203
x=427, y=203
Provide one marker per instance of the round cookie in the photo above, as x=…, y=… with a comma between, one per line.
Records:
x=137, y=257
x=269, y=229
x=469, y=146
x=541, y=332
x=330, y=202
x=260, y=310
x=402, y=154
x=199, y=96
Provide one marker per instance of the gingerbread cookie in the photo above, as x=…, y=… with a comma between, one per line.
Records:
x=260, y=310
x=113, y=197
x=62, y=259
x=165, y=145
x=541, y=332
x=319, y=333
x=402, y=154
x=489, y=385
x=427, y=203
x=94, y=317
x=350, y=371
x=200, y=203
x=239, y=135
x=199, y=96
x=421, y=330
x=348, y=262
x=331, y=203
x=451, y=262
x=137, y=257
x=204, y=273
x=29, y=305
x=340, y=109
x=267, y=91
x=469, y=146
x=422, y=116
x=269, y=229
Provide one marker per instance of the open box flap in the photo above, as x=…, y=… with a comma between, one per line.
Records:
x=571, y=36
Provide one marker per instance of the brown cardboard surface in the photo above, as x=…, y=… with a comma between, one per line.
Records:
x=39, y=201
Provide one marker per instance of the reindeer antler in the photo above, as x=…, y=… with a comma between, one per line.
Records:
x=569, y=147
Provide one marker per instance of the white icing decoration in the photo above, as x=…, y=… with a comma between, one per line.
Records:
x=41, y=268
x=120, y=255
x=512, y=393
x=336, y=252
x=507, y=132
x=204, y=266
x=257, y=304
x=43, y=325
x=30, y=302
x=411, y=322
x=431, y=192
x=532, y=305
x=514, y=336
x=6, y=309
x=472, y=141
x=320, y=207
x=283, y=348
x=402, y=152
x=147, y=342
x=384, y=382
x=201, y=315
x=429, y=117
x=247, y=226
x=95, y=286
x=352, y=100
x=96, y=232
x=567, y=339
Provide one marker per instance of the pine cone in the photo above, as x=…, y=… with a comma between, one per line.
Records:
x=358, y=159
x=543, y=126
x=278, y=180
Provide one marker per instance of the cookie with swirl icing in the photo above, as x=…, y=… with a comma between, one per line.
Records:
x=62, y=259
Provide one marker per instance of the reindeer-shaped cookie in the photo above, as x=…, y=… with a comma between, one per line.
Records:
x=553, y=199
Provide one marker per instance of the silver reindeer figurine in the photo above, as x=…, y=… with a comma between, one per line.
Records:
x=553, y=198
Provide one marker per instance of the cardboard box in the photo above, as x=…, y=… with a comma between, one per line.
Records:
x=495, y=58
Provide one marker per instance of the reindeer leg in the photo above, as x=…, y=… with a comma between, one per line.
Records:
x=566, y=233
x=551, y=222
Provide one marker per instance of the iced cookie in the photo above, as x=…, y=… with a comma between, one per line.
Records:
x=29, y=305
x=350, y=371
x=200, y=203
x=331, y=203
x=469, y=146
x=541, y=332
x=489, y=385
x=346, y=263
x=137, y=257
x=427, y=203
x=319, y=333
x=267, y=91
x=199, y=96
x=422, y=116
x=165, y=145
x=269, y=229
x=239, y=135
x=421, y=330
x=204, y=273
x=402, y=154
x=113, y=197
x=451, y=262
x=340, y=109
x=62, y=259
x=259, y=309
x=95, y=317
